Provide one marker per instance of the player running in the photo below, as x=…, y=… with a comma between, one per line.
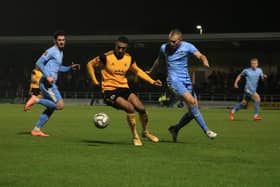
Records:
x=252, y=75
x=50, y=63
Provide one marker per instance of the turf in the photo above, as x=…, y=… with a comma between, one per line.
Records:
x=245, y=153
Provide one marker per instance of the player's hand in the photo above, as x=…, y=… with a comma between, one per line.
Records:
x=148, y=72
x=50, y=80
x=96, y=83
x=75, y=66
x=158, y=83
x=264, y=76
x=206, y=65
x=236, y=86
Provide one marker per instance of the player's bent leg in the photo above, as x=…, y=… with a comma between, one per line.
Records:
x=52, y=94
x=236, y=108
x=174, y=130
x=143, y=117
x=60, y=104
x=41, y=122
x=131, y=119
x=30, y=102
x=192, y=102
x=135, y=101
x=256, y=98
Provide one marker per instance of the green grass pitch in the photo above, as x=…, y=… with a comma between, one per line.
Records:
x=245, y=153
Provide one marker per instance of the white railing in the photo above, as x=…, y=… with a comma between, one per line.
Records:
x=147, y=97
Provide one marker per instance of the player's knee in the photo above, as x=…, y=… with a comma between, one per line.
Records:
x=244, y=103
x=141, y=109
x=258, y=99
x=192, y=103
x=60, y=105
x=130, y=109
x=195, y=102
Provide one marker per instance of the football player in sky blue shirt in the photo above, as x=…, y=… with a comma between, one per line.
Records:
x=176, y=53
x=50, y=63
x=252, y=76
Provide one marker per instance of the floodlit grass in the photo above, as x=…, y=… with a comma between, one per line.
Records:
x=245, y=153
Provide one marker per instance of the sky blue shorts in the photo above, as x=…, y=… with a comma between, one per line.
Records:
x=50, y=91
x=181, y=87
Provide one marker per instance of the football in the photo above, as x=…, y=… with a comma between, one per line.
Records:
x=101, y=120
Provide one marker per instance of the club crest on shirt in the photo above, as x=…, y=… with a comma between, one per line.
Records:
x=182, y=53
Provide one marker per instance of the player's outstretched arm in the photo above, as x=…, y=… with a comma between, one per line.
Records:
x=202, y=58
x=75, y=66
x=140, y=73
x=158, y=83
x=155, y=64
x=90, y=68
x=236, y=81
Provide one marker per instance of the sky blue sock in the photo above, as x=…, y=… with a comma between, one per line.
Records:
x=186, y=118
x=237, y=107
x=42, y=120
x=199, y=119
x=48, y=103
x=256, y=107
x=44, y=117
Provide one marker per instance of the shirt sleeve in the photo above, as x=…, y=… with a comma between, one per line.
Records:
x=140, y=73
x=244, y=72
x=41, y=62
x=191, y=48
x=95, y=62
x=65, y=68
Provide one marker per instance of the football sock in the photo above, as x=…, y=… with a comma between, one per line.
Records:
x=199, y=119
x=36, y=129
x=256, y=108
x=237, y=107
x=44, y=118
x=143, y=117
x=186, y=118
x=131, y=119
x=48, y=103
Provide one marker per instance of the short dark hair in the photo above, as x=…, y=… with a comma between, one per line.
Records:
x=58, y=33
x=123, y=39
x=177, y=32
x=254, y=58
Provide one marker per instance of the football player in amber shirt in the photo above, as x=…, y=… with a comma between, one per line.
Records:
x=114, y=66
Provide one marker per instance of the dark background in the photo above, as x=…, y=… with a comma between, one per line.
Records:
x=227, y=58
x=36, y=17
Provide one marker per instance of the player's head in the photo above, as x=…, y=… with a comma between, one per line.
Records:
x=59, y=38
x=121, y=46
x=175, y=37
x=254, y=62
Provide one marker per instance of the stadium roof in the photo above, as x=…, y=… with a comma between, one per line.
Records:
x=141, y=38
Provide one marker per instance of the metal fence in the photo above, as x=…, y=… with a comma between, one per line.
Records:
x=146, y=97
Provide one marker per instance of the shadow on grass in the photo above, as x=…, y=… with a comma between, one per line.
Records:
x=94, y=142
x=240, y=120
x=24, y=133
x=171, y=142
